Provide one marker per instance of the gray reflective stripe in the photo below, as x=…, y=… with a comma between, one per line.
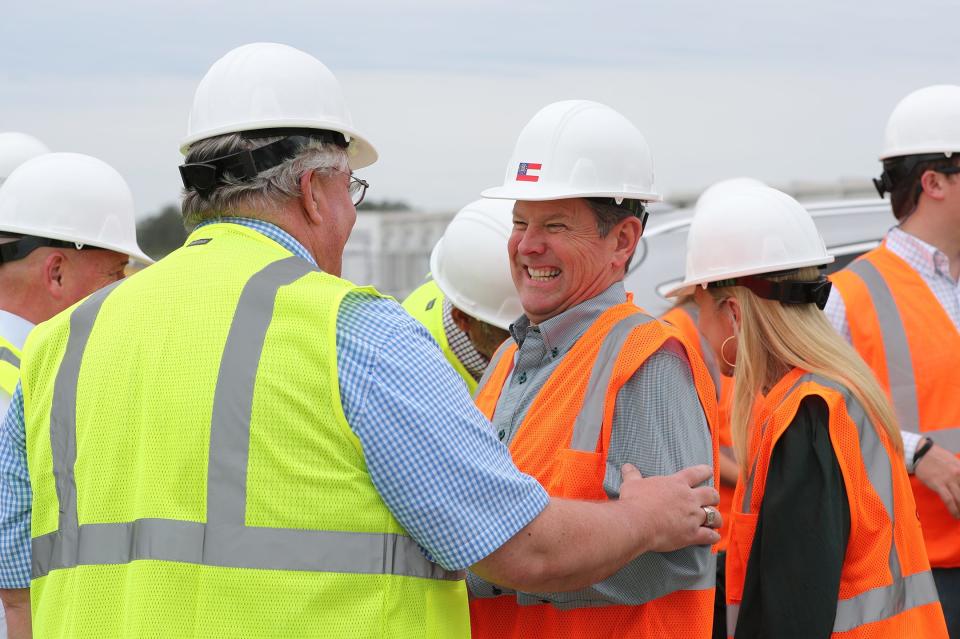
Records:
x=243, y=547
x=233, y=397
x=224, y=540
x=587, y=426
x=8, y=356
x=733, y=611
x=885, y=602
x=63, y=430
x=492, y=366
x=896, y=348
x=949, y=438
x=709, y=358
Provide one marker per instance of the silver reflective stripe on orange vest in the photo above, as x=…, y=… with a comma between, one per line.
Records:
x=589, y=422
x=904, y=593
x=896, y=348
x=8, y=356
x=224, y=540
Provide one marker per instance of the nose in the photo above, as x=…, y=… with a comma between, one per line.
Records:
x=531, y=242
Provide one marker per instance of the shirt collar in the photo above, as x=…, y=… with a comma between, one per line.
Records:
x=923, y=257
x=14, y=328
x=561, y=331
x=268, y=229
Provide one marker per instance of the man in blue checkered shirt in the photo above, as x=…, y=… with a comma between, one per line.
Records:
x=431, y=457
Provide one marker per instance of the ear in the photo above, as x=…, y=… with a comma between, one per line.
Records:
x=313, y=200
x=627, y=234
x=934, y=184
x=54, y=267
x=461, y=319
x=735, y=312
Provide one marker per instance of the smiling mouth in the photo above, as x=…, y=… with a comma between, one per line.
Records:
x=542, y=274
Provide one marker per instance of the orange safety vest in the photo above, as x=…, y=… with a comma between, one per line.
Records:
x=904, y=334
x=684, y=317
x=886, y=587
x=563, y=442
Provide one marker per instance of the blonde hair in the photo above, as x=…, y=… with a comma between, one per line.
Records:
x=776, y=337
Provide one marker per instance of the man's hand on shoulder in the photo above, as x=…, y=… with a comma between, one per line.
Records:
x=671, y=508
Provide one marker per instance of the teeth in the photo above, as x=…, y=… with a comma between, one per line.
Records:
x=543, y=274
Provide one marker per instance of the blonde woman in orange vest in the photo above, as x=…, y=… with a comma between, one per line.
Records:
x=899, y=305
x=824, y=541
x=589, y=384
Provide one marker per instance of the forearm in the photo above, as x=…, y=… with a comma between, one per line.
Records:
x=16, y=609
x=548, y=554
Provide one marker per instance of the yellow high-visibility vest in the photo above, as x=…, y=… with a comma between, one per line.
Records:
x=426, y=305
x=193, y=472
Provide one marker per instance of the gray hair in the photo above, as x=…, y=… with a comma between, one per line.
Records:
x=264, y=193
x=608, y=215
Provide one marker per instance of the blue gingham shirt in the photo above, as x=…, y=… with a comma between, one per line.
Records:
x=431, y=454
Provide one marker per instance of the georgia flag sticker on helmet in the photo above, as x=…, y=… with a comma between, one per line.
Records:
x=528, y=172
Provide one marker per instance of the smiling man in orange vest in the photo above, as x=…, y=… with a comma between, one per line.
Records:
x=589, y=381
x=899, y=305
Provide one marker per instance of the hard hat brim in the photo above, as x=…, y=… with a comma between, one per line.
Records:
x=360, y=153
x=136, y=253
x=546, y=193
x=687, y=286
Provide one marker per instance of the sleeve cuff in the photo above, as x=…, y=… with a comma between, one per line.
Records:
x=910, y=443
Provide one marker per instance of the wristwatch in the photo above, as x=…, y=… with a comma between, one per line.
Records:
x=922, y=450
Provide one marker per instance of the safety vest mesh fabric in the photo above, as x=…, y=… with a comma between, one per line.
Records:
x=9, y=367
x=563, y=442
x=193, y=473
x=684, y=317
x=426, y=305
x=886, y=588
x=903, y=333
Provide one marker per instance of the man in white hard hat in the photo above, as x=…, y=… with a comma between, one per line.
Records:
x=589, y=382
x=237, y=441
x=899, y=305
x=67, y=229
x=470, y=301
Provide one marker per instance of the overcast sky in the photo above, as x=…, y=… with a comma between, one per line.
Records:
x=779, y=91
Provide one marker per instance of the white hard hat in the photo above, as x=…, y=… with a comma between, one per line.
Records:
x=749, y=231
x=72, y=198
x=926, y=121
x=272, y=86
x=578, y=148
x=471, y=265
x=17, y=148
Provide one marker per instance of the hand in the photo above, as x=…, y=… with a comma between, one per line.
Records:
x=671, y=507
x=939, y=470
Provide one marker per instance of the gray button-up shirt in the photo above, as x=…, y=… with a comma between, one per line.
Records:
x=658, y=426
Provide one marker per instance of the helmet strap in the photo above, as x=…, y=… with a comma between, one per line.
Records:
x=204, y=177
x=785, y=291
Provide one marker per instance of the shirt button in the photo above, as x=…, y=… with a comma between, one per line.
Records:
x=502, y=434
x=522, y=378
x=497, y=592
x=554, y=351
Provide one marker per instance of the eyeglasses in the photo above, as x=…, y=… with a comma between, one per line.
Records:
x=356, y=187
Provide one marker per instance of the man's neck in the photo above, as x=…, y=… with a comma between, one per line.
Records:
x=932, y=228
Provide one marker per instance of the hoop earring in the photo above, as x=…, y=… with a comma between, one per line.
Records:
x=723, y=356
